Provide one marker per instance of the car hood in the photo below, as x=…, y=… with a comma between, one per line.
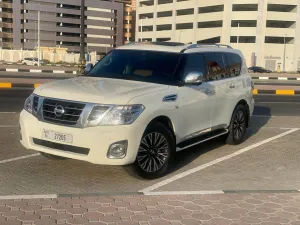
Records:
x=97, y=90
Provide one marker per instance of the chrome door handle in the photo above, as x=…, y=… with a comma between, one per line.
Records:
x=208, y=91
x=232, y=86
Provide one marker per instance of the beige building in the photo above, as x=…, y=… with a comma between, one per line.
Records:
x=267, y=31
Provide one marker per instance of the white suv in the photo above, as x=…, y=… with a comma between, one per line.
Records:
x=140, y=104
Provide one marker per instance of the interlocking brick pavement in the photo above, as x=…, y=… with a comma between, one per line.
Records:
x=264, y=208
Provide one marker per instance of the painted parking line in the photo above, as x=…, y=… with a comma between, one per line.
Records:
x=19, y=158
x=8, y=126
x=7, y=112
x=15, y=197
x=214, y=162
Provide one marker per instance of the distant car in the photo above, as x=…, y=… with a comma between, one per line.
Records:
x=32, y=61
x=258, y=69
x=298, y=70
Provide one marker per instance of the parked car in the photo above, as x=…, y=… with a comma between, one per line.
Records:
x=141, y=104
x=258, y=69
x=32, y=61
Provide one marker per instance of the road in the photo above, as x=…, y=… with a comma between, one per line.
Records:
x=12, y=100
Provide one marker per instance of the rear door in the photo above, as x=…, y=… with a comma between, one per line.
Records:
x=222, y=70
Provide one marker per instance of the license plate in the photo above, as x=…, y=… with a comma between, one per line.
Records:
x=52, y=135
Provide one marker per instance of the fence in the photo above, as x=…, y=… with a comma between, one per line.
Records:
x=17, y=55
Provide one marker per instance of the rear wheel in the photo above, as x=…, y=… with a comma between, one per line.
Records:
x=238, y=125
x=53, y=157
x=155, y=152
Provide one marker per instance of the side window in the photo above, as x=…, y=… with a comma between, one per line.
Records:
x=215, y=65
x=193, y=62
x=234, y=62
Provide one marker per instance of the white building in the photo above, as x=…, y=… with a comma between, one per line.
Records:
x=253, y=26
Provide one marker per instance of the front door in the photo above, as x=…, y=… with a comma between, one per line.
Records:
x=195, y=102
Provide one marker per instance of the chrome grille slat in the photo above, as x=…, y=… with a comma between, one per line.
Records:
x=72, y=113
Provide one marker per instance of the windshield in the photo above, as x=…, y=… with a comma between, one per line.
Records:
x=138, y=65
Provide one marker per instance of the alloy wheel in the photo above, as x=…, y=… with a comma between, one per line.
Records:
x=153, y=152
x=239, y=125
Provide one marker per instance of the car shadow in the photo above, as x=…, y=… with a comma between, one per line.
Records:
x=185, y=157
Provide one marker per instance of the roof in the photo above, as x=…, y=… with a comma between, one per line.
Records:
x=177, y=47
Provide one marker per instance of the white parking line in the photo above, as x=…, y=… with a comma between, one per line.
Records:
x=8, y=126
x=184, y=193
x=7, y=112
x=19, y=158
x=199, y=168
x=28, y=197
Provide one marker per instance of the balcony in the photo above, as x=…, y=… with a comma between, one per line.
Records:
x=283, y=16
x=280, y=32
x=127, y=26
x=6, y=25
x=6, y=15
x=127, y=17
x=5, y=5
x=6, y=35
x=127, y=34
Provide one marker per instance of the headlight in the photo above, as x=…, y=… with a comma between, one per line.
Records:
x=28, y=106
x=31, y=104
x=118, y=115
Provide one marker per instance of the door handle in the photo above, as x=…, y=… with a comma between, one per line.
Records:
x=232, y=86
x=208, y=91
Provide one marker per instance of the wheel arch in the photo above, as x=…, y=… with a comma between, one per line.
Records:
x=166, y=121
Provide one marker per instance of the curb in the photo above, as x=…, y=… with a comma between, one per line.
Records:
x=172, y=193
x=255, y=91
x=276, y=78
x=38, y=71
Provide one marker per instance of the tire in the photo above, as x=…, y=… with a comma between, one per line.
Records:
x=238, y=126
x=152, y=163
x=53, y=157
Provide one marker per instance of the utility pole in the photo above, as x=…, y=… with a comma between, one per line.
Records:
x=284, y=49
x=238, y=37
x=39, y=36
x=141, y=29
x=82, y=34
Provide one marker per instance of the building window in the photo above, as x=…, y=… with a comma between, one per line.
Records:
x=242, y=39
x=164, y=27
x=183, y=26
x=282, y=8
x=244, y=7
x=210, y=40
x=209, y=9
x=210, y=24
x=182, y=12
x=160, y=2
x=281, y=24
x=243, y=23
x=146, y=16
x=146, y=28
x=279, y=40
x=164, y=14
x=163, y=39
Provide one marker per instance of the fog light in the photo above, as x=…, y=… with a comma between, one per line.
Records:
x=117, y=150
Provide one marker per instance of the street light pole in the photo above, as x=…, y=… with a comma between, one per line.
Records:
x=82, y=34
x=284, y=49
x=39, y=36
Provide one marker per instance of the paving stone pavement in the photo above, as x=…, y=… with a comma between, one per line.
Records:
x=216, y=209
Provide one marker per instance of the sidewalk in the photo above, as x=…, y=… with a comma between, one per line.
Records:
x=218, y=209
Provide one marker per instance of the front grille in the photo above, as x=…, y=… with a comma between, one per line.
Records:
x=62, y=147
x=72, y=111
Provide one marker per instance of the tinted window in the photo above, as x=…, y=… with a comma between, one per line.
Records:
x=138, y=65
x=216, y=66
x=234, y=64
x=191, y=63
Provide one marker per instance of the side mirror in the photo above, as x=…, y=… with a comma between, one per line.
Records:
x=88, y=68
x=194, y=78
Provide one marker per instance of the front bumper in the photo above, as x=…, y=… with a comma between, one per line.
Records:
x=96, y=139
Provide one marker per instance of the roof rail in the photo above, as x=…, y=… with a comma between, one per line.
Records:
x=204, y=45
x=157, y=43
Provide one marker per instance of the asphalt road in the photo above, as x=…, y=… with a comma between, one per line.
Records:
x=12, y=100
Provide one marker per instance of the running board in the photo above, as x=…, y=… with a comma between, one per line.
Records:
x=200, y=139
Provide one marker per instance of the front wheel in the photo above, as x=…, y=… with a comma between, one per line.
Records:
x=155, y=152
x=238, y=125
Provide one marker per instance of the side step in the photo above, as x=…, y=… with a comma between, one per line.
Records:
x=200, y=139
